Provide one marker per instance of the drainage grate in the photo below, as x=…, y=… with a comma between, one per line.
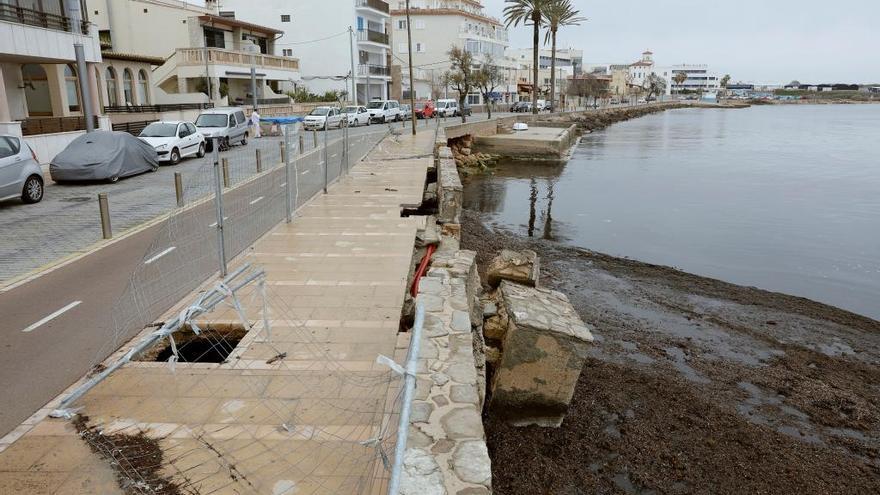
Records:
x=213, y=344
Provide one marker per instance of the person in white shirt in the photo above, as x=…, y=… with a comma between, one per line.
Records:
x=255, y=122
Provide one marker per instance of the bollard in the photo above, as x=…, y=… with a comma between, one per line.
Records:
x=225, y=172
x=104, y=207
x=178, y=188
x=259, y=161
x=315, y=139
x=301, y=145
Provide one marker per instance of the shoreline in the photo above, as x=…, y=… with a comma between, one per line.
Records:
x=695, y=384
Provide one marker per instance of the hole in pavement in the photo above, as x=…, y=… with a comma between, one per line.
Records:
x=213, y=344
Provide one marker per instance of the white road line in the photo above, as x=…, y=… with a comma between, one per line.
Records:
x=215, y=223
x=52, y=316
x=163, y=253
x=256, y=200
x=283, y=184
x=304, y=172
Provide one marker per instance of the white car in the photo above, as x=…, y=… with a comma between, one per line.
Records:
x=323, y=118
x=446, y=107
x=384, y=111
x=357, y=115
x=174, y=140
x=20, y=172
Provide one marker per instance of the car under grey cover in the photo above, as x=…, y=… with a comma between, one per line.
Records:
x=103, y=155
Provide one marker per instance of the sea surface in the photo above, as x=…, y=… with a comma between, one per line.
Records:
x=785, y=198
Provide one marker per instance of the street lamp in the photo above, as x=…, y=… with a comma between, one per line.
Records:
x=248, y=46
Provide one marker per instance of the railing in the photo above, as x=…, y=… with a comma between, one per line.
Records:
x=374, y=4
x=196, y=56
x=373, y=70
x=51, y=125
x=157, y=108
x=373, y=36
x=134, y=128
x=39, y=18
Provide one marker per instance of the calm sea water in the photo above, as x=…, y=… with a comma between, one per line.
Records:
x=785, y=198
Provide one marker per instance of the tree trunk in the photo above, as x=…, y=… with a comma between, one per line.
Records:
x=461, y=99
x=553, y=70
x=488, y=103
x=536, y=20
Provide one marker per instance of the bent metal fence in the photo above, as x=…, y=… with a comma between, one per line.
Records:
x=240, y=390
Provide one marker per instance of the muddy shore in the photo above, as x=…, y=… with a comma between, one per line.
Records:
x=695, y=385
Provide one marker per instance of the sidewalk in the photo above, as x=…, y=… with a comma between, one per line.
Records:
x=309, y=421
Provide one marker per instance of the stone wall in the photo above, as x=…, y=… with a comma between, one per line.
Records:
x=450, y=193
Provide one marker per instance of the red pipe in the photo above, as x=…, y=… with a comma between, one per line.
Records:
x=423, y=266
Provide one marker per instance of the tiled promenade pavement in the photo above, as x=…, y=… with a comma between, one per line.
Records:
x=301, y=424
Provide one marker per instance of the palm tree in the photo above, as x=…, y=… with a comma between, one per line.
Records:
x=557, y=14
x=680, y=78
x=529, y=12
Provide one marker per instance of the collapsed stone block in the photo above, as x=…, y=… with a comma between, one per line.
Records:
x=542, y=357
x=517, y=266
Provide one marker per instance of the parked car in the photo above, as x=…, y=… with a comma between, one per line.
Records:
x=425, y=109
x=174, y=140
x=520, y=106
x=20, y=172
x=357, y=115
x=447, y=107
x=466, y=110
x=228, y=125
x=323, y=118
x=103, y=155
x=542, y=105
x=384, y=110
x=405, y=112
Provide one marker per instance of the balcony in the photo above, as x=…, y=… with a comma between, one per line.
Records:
x=374, y=4
x=372, y=36
x=196, y=56
x=41, y=18
x=374, y=70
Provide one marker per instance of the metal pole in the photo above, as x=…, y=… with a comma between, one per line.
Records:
x=282, y=149
x=218, y=202
x=353, y=79
x=75, y=15
x=412, y=88
x=178, y=188
x=259, y=161
x=287, y=185
x=326, y=163
x=409, y=385
x=208, y=74
x=104, y=207
x=226, y=172
x=254, y=82
x=301, y=145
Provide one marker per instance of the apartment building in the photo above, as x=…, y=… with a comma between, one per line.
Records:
x=699, y=79
x=317, y=31
x=437, y=26
x=40, y=95
x=565, y=57
x=194, y=43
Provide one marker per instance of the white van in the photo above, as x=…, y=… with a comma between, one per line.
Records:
x=384, y=111
x=447, y=107
x=229, y=125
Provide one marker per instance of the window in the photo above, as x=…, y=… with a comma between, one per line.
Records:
x=70, y=84
x=8, y=146
x=143, y=92
x=127, y=87
x=285, y=17
x=473, y=99
x=112, y=94
x=287, y=52
x=420, y=48
x=214, y=38
x=401, y=24
x=239, y=116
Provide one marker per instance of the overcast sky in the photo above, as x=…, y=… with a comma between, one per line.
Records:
x=765, y=41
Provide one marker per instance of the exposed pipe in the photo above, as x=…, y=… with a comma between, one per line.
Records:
x=423, y=266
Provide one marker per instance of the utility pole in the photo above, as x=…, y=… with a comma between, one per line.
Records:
x=412, y=88
x=75, y=14
x=208, y=73
x=353, y=79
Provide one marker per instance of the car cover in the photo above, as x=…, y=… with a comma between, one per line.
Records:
x=103, y=155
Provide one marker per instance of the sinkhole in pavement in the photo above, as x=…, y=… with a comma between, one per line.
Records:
x=213, y=344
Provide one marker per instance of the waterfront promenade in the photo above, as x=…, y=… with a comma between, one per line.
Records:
x=302, y=409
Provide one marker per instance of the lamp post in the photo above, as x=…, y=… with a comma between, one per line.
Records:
x=250, y=47
x=412, y=89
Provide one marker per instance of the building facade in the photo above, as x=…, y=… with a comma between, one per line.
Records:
x=437, y=26
x=565, y=57
x=317, y=31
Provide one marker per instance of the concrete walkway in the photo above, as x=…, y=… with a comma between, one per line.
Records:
x=304, y=411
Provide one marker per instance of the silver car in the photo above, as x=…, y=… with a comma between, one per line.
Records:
x=20, y=172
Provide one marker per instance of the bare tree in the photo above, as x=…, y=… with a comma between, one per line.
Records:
x=654, y=85
x=586, y=87
x=460, y=75
x=487, y=78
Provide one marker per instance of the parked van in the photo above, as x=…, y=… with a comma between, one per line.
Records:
x=384, y=111
x=229, y=125
x=447, y=107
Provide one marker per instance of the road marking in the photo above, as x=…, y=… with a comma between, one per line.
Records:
x=215, y=223
x=52, y=316
x=304, y=172
x=163, y=253
x=256, y=200
x=283, y=184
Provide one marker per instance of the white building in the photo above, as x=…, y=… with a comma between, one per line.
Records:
x=437, y=26
x=699, y=77
x=565, y=57
x=317, y=32
x=40, y=97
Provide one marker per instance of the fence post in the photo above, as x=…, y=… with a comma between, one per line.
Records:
x=326, y=163
x=226, y=172
x=301, y=145
x=178, y=188
x=104, y=207
x=287, y=185
x=218, y=203
x=281, y=147
x=259, y=161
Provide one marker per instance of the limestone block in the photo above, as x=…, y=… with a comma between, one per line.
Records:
x=421, y=474
x=542, y=357
x=471, y=463
x=516, y=266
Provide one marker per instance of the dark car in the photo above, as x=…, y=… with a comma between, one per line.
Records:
x=424, y=109
x=520, y=106
x=466, y=110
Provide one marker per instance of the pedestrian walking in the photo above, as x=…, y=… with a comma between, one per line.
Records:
x=255, y=122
